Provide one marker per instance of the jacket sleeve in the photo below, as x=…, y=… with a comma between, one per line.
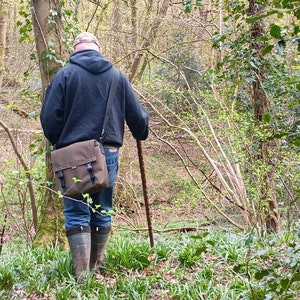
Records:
x=137, y=117
x=52, y=113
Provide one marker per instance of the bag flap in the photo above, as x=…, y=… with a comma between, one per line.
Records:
x=74, y=155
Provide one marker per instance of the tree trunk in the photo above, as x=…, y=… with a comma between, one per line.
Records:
x=47, y=30
x=3, y=32
x=116, y=25
x=261, y=108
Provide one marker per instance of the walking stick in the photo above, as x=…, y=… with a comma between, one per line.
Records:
x=146, y=200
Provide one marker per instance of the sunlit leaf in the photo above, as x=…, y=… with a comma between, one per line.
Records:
x=75, y=179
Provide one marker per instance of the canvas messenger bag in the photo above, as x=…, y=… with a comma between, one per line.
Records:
x=80, y=168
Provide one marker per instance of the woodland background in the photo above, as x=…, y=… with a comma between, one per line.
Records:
x=221, y=82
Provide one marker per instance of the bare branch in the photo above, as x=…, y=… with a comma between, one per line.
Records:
x=27, y=173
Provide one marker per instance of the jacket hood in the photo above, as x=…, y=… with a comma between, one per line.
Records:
x=91, y=60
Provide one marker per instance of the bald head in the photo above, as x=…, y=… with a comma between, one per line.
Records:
x=86, y=41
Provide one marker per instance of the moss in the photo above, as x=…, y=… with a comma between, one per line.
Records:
x=51, y=231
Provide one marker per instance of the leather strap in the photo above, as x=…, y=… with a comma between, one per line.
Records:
x=112, y=92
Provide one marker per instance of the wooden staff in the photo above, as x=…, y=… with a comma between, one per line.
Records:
x=147, y=207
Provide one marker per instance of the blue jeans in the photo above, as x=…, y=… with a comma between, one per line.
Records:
x=78, y=213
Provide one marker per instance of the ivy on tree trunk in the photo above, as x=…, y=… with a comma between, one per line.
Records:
x=261, y=109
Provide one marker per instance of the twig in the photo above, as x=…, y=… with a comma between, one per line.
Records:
x=27, y=173
x=15, y=108
x=205, y=226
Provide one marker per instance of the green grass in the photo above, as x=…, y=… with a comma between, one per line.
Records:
x=210, y=265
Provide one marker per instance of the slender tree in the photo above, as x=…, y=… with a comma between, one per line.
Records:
x=46, y=16
x=3, y=31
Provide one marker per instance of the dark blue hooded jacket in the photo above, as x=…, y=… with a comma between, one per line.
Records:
x=75, y=102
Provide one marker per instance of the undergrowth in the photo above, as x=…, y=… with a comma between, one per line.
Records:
x=210, y=264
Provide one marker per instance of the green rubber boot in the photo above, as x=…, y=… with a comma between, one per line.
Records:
x=80, y=247
x=99, y=237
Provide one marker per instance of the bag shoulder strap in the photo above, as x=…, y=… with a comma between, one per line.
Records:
x=112, y=92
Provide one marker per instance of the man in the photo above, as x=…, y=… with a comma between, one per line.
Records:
x=73, y=111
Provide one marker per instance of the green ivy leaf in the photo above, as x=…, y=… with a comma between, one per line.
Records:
x=261, y=274
x=296, y=141
x=284, y=283
x=267, y=117
x=295, y=277
x=260, y=17
x=279, y=135
x=263, y=38
x=267, y=49
x=32, y=56
x=275, y=31
x=297, y=13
